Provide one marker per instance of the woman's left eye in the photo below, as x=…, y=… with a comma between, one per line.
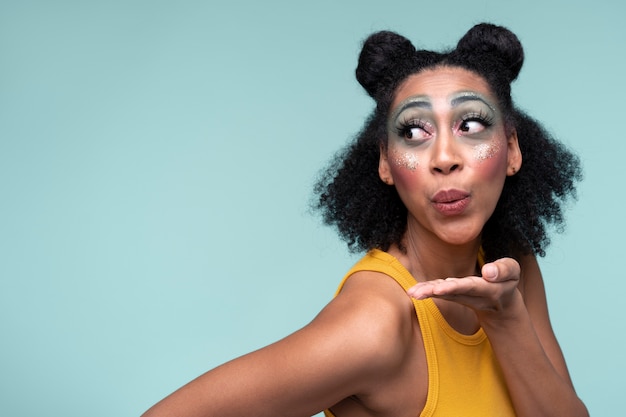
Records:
x=471, y=126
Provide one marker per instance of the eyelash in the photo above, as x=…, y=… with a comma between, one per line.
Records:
x=404, y=130
x=480, y=117
x=406, y=126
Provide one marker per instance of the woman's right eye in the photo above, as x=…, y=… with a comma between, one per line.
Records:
x=414, y=131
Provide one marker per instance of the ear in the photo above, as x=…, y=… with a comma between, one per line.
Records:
x=384, y=172
x=514, y=154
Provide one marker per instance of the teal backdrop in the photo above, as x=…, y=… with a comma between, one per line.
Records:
x=156, y=168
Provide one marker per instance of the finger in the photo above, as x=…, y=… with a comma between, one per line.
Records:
x=442, y=288
x=421, y=290
x=504, y=269
x=473, y=292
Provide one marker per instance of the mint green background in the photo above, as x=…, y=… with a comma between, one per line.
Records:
x=156, y=165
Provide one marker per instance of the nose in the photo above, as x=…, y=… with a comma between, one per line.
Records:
x=445, y=157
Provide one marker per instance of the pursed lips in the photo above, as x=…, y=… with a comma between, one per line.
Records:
x=451, y=202
x=449, y=196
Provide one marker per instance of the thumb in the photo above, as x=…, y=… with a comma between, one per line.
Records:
x=490, y=272
x=504, y=269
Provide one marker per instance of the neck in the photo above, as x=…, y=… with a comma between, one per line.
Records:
x=429, y=258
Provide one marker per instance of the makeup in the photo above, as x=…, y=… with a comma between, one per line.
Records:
x=407, y=160
x=466, y=96
x=421, y=102
x=486, y=150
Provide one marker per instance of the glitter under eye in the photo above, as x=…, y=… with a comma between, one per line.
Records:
x=488, y=150
x=407, y=160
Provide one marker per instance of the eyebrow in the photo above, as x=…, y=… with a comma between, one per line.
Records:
x=465, y=97
x=420, y=102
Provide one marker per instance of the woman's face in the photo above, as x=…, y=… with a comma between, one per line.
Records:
x=448, y=152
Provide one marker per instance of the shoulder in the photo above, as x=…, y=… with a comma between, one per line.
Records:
x=373, y=317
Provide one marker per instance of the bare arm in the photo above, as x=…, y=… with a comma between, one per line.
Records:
x=340, y=353
x=520, y=333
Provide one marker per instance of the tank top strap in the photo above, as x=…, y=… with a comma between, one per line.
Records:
x=379, y=261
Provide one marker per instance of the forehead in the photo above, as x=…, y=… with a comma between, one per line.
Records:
x=441, y=82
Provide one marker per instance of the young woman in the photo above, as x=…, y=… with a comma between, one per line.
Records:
x=449, y=188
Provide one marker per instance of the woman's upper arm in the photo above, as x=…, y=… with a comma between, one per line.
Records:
x=536, y=303
x=333, y=357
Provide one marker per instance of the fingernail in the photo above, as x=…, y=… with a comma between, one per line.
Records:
x=490, y=271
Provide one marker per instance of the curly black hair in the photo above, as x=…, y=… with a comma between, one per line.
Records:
x=369, y=214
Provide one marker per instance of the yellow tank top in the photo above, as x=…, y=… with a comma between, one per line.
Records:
x=464, y=378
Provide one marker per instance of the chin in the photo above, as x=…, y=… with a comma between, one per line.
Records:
x=462, y=238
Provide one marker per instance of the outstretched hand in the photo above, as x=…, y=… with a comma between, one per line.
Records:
x=492, y=293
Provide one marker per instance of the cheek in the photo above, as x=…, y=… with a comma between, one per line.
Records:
x=403, y=159
x=487, y=150
x=489, y=159
x=405, y=166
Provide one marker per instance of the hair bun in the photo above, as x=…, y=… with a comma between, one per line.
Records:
x=494, y=41
x=383, y=55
